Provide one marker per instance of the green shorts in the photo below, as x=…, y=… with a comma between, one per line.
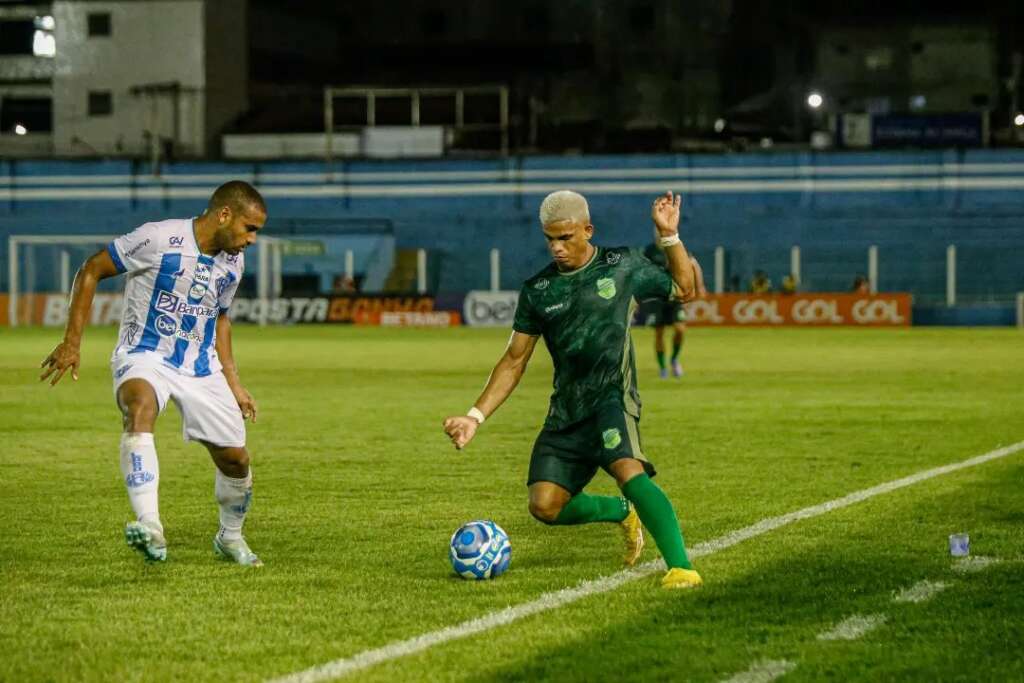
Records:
x=662, y=313
x=570, y=456
x=671, y=312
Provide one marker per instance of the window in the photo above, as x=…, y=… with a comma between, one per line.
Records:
x=16, y=36
x=99, y=24
x=100, y=103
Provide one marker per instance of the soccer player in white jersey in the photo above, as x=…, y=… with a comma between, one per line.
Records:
x=175, y=344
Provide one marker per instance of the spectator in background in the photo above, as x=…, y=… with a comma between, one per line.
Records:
x=861, y=285
x=760, y=284
x=789, y=285
x=343, y=284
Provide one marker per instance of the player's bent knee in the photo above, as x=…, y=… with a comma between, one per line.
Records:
x=546, y=515
x=139, y=416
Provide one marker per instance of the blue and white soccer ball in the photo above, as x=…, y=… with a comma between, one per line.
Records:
x=480, y=550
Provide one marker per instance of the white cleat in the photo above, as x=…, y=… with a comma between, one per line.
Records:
x=236, y=551
x=148, y=540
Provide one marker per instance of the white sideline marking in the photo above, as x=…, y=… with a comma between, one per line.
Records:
x=764, y=671
x=921, y=591
x=972, y=565
x=853, y=627
x=402, y=648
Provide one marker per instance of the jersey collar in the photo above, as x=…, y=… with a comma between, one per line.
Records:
x=593, y=257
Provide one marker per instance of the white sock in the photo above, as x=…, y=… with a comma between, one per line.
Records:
x=141, y=472
x=234, y=497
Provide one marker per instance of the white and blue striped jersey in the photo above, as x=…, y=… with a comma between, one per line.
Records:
x=173, y=295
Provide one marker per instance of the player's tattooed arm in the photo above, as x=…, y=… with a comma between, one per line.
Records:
x=66, y=354
x=665, y=214
x=246, y=403
x=500, y=385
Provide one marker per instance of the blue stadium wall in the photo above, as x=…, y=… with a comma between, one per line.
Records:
x=834, y=205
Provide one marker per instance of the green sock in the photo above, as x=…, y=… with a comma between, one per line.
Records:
x=661, y=359
x=676, y=348
x=583, y=509
x=655, y=511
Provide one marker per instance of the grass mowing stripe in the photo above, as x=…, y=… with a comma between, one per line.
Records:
x=403, y=648
x=763, y=672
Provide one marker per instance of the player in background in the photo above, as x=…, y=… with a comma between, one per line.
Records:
x=671, y=314
x=174, y=343
x=582, y=305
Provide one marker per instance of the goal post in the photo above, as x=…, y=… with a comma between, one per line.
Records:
x=25, y=269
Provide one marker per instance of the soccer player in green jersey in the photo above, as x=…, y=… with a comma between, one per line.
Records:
x=582, y=304
x=670, y=313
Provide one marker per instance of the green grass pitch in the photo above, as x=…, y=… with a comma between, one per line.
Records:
x=357, y=492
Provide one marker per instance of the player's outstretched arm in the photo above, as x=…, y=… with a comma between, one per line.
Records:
x=665, y=214
x=66, y=355
x=246, y=403
x=503, y=380
x=700, y=289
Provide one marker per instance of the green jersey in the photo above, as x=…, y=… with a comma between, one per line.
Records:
x=656, y=255
x=584, y=316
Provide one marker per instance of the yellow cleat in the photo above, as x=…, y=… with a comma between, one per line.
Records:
x=681, y=578
x=633, y=535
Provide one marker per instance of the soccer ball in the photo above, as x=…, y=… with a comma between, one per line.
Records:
x=480, y=550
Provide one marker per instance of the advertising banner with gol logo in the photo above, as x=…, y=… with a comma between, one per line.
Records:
x=808, y=310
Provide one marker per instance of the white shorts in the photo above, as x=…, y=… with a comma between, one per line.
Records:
x=209, y=411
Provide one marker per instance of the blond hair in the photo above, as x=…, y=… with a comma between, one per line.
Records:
x=564, y=205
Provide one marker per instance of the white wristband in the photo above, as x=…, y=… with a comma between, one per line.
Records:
x=665, y=242
x=475, y=413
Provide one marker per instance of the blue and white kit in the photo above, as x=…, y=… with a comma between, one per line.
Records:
x=172, y=299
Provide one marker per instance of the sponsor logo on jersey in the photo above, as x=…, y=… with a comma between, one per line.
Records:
x=167, y=302
x=231, y=258
x=555, y=307
x=188, y=336
x=120, y=371
x=200, y=282
x=613, y=257
x=166, y=325
x=131, y=252
x=176, y=242
x=606, y=288
x=611, y=438
x=541, y=284
x=170, y=303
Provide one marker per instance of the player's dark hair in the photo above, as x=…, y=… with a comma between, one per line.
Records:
x=238, y=196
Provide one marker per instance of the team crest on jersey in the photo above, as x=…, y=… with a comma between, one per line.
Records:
x=540, y=284
x=611, y=437
x=606, y=288
x=612, y=258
